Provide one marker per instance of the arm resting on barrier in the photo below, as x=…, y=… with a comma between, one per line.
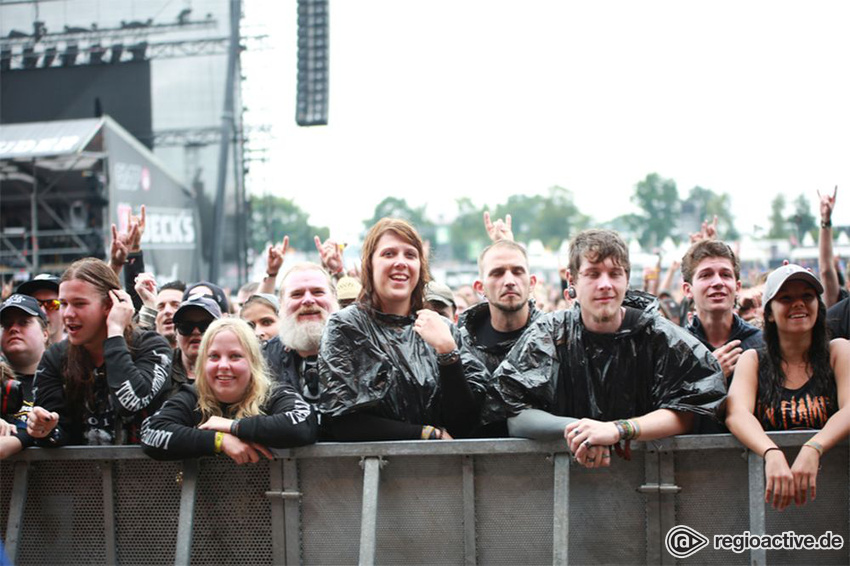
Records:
x=539, y=425
x=290, y=421
x=170, y=434
x=361, y=427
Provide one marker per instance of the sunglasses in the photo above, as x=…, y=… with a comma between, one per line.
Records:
x=186, y=328
x=51, y=305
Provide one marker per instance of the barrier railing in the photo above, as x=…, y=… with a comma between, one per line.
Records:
x=459, y=502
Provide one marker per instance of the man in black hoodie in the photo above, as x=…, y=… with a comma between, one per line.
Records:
x=712, y=280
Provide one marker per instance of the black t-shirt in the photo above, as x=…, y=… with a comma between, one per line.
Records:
x=838, y=319
x=490, y=337
x=630, y=320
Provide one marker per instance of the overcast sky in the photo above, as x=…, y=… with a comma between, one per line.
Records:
x=433, y=100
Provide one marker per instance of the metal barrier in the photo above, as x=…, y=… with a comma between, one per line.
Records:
x=504, y=501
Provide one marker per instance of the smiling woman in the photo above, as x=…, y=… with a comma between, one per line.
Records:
x=233, y=407
x=800, y=381
x=391, y=369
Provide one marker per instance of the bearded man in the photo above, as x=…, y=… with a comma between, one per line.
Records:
x=308, y=298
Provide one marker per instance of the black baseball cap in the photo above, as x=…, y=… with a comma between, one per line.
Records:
x=202, y=302
x=41, y=281
x=25, y=303
x=217, y=294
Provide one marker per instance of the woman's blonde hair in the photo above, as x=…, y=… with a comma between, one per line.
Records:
x=258, y=389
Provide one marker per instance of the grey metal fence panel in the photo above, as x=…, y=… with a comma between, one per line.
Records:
x=63, y=517
x=7, y=472
x=828, y=512
x=232, y=514
x=514, y=508
x=146, y=512
x=420, y=511
x=607, y=514
x=330, y=510
x=714, y=499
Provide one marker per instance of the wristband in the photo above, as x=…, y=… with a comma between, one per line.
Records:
x=816, y=446
x=219, y=440
x=628, y=429
x=825, y=224
x=234, y=427
x=768, y=450
x=270, y=276
x=429, y=433
x=448, y=358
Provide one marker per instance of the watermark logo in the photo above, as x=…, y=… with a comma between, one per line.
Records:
x=682, y=541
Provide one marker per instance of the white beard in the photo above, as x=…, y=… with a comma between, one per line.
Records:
x=302, y=336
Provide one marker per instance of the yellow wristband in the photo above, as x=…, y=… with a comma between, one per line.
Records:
x=219, y=440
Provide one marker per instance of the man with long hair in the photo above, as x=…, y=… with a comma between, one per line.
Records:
x=97, y=385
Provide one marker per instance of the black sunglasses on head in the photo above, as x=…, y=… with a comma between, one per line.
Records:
x=186, y=328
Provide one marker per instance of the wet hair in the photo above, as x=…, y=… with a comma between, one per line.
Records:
x=78, y=365
x=259, y=388
x=706, y=249
x=406, y=232
x=509, y=244
x=176, y=285
x=598, y=245
x=306, y=266
x=772, y=380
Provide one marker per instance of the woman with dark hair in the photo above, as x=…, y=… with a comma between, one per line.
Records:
x=97, y=385
x=233, y=407
x=392, y=369
x=800, y=380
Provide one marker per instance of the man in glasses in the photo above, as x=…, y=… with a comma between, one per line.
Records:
x=191, y=321
x=45, y=289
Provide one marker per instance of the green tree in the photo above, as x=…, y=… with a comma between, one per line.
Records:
x=708, y=204
x=778, y=225
x=273, y=217
x=803, y=219
x=393, y=207
x=658, y=200
x=550, y=218
x=467, y=234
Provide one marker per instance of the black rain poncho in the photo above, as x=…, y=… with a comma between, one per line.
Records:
x=469, y=322
x=560, y=367
x=378, y=363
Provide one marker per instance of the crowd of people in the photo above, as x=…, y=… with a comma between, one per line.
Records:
x=314, y=353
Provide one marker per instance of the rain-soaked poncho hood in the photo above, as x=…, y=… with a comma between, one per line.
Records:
x=374, y=361
x=471, y=320
x=561, y=367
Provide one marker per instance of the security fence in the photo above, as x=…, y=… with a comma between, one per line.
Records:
x=506, y=501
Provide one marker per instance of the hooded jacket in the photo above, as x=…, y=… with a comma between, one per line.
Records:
x=751, y=337
x=375, y=362
x=561, y=367
x=472, y=319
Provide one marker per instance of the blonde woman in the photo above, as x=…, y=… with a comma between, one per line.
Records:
x=233, y=407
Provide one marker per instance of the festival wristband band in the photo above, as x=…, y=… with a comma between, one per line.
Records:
x=219, y=440
x=815, y=445
x=628, y=429
x=764, y=455
x=429, y=433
